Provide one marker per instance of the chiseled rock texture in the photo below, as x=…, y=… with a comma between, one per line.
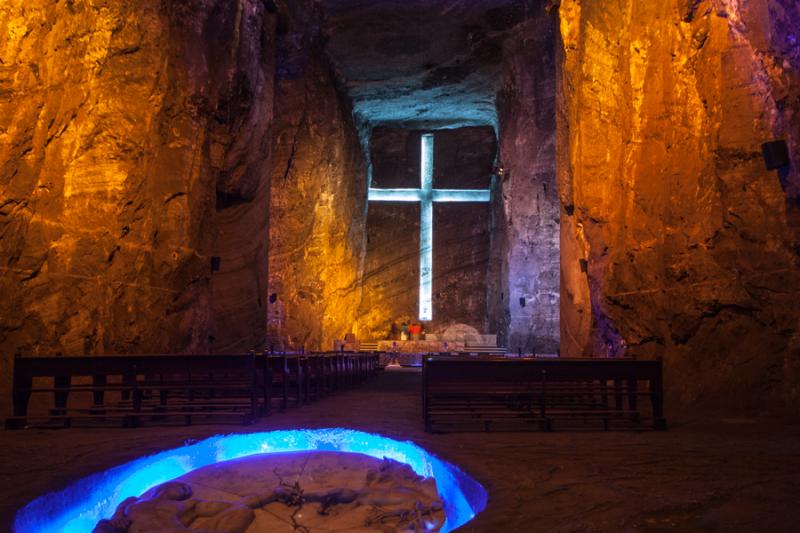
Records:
x=127, y=136
x=422, y=63
x=284, y=493
x=318, y=197
x=525, y=250
x=463, y=159
x=690, y=246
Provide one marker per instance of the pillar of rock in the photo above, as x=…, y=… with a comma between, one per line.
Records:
x=126, y=139
x=526, y=243
x=676, y=241
x=319, y=192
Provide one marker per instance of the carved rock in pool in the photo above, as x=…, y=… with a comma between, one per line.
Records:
x=305, y=491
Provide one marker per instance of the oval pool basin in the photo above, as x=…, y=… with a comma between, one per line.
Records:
x=79, y=507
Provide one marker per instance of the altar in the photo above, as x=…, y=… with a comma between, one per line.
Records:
x=410, y=352
x=399, y=347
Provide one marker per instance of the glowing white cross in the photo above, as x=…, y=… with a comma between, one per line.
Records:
x=426, y=195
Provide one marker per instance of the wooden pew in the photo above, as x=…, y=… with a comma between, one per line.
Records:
x=154, y=386
x=275, y=369
x=490, y=393
x=161, y=386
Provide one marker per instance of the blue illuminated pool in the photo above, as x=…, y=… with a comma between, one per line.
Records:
x=79, y=507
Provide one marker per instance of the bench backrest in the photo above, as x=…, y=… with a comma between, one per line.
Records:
x=441, y=369
x=91, y=365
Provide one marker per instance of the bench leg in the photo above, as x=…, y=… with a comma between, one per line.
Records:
x=633, y=399
x=618, y=394
x=128, y=380
x=60, y=396
x=268, y=391
x=20, y=398
x=306, y=382
x=320, y=377
x=299, y=385
x=285, y=404
x=254, y=397
x=163, y=398
x=136, y=397
x=657, y=400
x=98, y=396
x=299, y=377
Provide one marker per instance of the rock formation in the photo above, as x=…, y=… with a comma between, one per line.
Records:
x=676, y=242
x=134, y=140
x=421, y=64
x=318, y=198
x=526, y=243
x=287, y=492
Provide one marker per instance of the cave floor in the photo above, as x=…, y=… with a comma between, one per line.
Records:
x=707, y=473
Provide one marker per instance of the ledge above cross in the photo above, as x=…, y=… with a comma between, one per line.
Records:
x=426, y=195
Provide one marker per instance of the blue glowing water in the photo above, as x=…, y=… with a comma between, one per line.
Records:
x=79, y=507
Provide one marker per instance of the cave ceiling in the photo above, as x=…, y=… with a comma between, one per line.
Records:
x=421, y=63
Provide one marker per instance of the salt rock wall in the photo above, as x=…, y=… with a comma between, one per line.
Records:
x=318, y=196
x=120, y=123
x=676, y=242
x=463, y=159
x=526, y=241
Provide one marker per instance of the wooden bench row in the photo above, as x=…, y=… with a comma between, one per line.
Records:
x=495, y=394
x=134, y=388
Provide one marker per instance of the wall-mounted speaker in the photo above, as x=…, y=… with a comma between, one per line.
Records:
x=215, y=262
x=776, y=154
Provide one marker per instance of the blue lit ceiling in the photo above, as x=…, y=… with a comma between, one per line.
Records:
x=421, y=63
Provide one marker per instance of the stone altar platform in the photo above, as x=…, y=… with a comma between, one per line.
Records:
x=419, y=346
x=409, y=353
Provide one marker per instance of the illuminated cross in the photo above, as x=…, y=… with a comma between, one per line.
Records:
x=426, y=195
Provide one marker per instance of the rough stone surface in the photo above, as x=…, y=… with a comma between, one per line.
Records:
x=463, y=159
x=286, y=492
x=318, y=199
x=525, y=306
x=691, y=245
x=422, y=64
x=121, y=124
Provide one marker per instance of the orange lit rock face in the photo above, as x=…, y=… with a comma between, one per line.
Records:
x=119, y=125
x=691, y=245
x=318, y=196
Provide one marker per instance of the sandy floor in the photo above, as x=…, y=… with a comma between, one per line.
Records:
x=706, y=473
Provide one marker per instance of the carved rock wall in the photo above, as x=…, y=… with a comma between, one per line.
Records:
x=690, y=246
x=463, y=159
x=526, y=239
x=318, y=200
x=119, y=125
